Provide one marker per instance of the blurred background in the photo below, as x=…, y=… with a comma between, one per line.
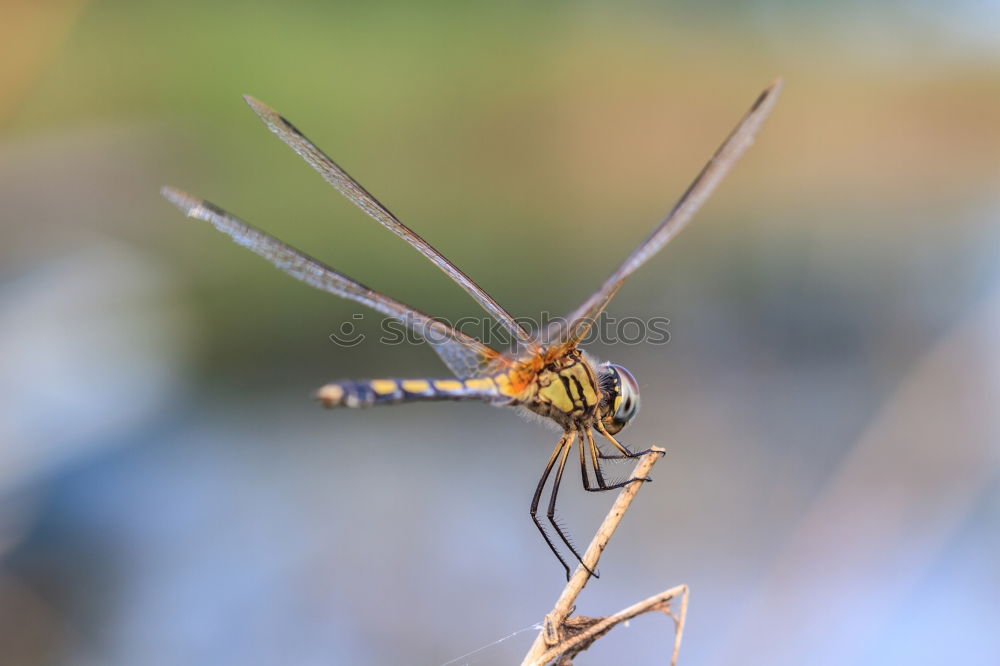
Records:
x=170, y=494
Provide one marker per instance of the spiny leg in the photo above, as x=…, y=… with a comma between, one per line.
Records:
x=583, y=467
x=626, y=453
x=594, y=457
x=552, y=511
x=566, y=441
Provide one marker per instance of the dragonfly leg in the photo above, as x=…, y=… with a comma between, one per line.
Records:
x=594, y=454
x=595, y=459
x=565, y=442
x=626, y=453
x=583, y=468
x=551, y=514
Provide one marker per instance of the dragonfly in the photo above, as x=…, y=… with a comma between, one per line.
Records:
x=548, y=375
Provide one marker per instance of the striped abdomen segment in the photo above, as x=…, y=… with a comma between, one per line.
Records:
x=394, y=391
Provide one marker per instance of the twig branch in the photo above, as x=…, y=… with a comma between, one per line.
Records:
x=590, y=629
x=567, y=637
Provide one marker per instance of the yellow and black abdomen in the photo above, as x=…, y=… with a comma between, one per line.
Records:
x=394, y=391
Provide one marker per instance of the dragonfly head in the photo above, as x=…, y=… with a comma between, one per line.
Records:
x=620, y=401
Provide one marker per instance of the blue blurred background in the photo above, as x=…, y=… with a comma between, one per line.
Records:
x=169, y=493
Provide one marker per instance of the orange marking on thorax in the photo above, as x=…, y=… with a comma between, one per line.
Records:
x=519, y=381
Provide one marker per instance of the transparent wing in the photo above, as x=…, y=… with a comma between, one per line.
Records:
x=578, y=323
x=361, y=198
x=464, y=355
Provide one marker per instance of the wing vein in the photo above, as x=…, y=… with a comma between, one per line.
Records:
x=464, y=355
x=579, y=322
x=352, y=190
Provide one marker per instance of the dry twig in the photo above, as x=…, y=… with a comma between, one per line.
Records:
x=564, y=637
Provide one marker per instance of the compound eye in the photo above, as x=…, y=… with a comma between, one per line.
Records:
x=627, y=410
x=628, y=395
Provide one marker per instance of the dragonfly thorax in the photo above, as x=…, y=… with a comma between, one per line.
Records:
x=567, y=391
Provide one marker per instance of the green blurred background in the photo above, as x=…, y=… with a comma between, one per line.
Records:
x=171, y=495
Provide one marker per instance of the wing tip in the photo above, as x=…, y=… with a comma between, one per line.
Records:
x=184, y=201
x=191, y=206
x=769, y=95
x=276, y=122
x=263, y=111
